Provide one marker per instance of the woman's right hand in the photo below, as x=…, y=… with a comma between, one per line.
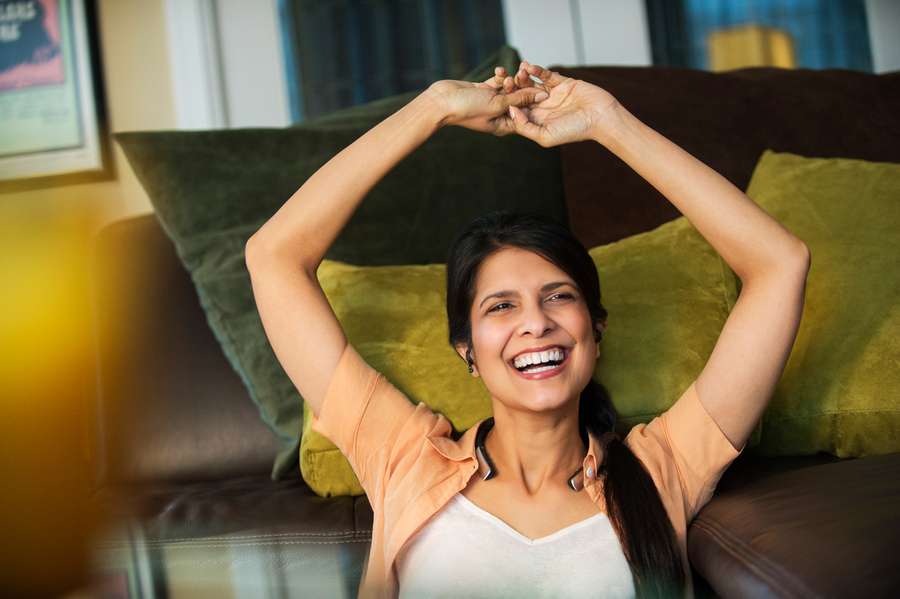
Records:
x=481, y=106
x=574, y=111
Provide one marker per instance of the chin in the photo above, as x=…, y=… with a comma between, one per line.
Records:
x=548, y=401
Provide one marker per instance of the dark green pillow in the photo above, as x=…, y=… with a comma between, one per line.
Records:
x=213, y=189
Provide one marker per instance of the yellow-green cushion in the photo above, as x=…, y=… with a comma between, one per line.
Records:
x=668, y=294
x=840, y=392
x=667, y=291
x=395, y=317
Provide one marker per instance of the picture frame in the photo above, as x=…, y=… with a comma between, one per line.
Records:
x=53, y=125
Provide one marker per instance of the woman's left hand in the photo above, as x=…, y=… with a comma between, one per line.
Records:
x=575, y=110
x=481, y=106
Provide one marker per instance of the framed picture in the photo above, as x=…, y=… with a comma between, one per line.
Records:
x=53, y=128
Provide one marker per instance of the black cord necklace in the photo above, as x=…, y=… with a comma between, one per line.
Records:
x=486, y=466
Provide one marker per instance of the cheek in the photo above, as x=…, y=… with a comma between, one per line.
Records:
x=489, y=337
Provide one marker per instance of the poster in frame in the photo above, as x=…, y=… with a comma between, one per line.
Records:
x=53, y=127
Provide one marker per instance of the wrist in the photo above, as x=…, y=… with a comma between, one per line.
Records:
x=433, y=104
x=614, y=127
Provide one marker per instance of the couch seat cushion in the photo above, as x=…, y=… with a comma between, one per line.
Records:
x=246, y=536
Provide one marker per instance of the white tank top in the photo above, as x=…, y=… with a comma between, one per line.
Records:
x=464, y=551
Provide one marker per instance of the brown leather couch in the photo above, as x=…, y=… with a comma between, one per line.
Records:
x=183, y=459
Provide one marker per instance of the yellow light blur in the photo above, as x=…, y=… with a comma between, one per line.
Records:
x=46, y=384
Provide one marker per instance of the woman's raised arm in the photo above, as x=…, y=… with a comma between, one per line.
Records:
x=285, y=253
x=741, y=376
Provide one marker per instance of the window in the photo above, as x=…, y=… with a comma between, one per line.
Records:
x=820, y=34
x=347, y=52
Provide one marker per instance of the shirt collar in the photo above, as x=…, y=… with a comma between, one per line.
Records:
x=464, y=449
x=458, y=451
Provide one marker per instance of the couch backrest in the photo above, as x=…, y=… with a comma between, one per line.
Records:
x=727, y=120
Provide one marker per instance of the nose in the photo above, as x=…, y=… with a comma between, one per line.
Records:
x=535, y=320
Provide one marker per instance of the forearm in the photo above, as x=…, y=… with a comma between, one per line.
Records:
x=753, y=243
x=746, y=364
x=309, y=222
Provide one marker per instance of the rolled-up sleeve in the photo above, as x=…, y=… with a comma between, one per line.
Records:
x=684, y=447
x=361, y=412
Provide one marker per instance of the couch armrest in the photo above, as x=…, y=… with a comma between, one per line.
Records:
x=825, y=531
x=169, y=406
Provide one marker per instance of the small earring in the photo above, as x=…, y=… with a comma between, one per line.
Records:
x=469, y=361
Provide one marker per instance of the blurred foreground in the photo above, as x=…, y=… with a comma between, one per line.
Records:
x=45, y=384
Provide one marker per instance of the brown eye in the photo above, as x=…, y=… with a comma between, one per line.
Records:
x=561, y=296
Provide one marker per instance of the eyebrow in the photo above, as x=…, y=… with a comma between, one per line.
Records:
x=510, y=293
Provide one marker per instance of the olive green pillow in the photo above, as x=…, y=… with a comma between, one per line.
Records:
x=395, y=317
x=667, y=291
x=668, y=294
x=840, y=392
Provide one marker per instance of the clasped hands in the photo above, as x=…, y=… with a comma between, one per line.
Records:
x=536, y=103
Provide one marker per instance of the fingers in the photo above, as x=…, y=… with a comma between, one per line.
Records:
x=498, y=80
x=550, y=78
x=526, y=97
x=522, y=125
x=509, y=85
x=523, y=79
x=503, y=82
x=503, y=126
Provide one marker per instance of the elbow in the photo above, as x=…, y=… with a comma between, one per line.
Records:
x=260, y=253
x=265, y=256
x=788, y=261
x=252, y=253
x=793, y=267
x=800, y=258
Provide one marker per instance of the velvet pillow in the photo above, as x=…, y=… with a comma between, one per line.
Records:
x=840, y=392
x=667, y=291
x=212, y=190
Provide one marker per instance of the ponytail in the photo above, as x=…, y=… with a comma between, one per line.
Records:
x=633, y=504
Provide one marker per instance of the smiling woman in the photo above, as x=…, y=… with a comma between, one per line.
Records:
x=511, y=299
x=523, y=298
x=524, y=312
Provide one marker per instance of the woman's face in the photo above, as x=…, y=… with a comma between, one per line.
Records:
x=532, y=335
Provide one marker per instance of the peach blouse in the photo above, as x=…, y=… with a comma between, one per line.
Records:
x=410, y=467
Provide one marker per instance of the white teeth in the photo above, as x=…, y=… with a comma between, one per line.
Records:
x=554, y=355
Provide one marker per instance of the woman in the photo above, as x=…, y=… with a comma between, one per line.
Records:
x=525, y=315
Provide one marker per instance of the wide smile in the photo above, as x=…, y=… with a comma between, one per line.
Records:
x=541, y=363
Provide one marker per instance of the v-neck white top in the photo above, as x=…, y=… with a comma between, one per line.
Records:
x=464, y=551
